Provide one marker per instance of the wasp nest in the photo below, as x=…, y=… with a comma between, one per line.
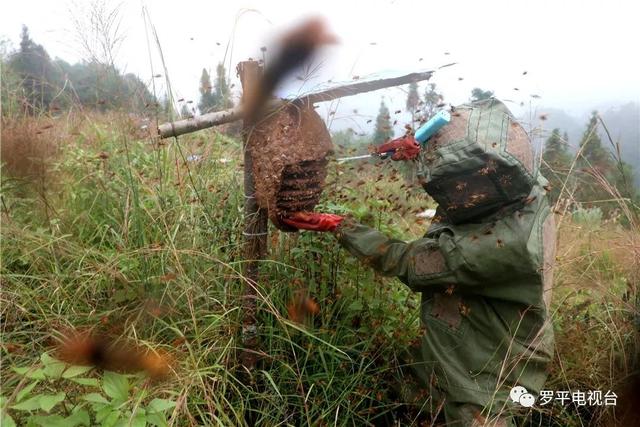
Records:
x=289, y=150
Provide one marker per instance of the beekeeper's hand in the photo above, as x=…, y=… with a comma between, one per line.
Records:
x=313, y=221
x=405, y=148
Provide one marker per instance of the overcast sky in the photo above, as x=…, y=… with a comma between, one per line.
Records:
x=578, y=54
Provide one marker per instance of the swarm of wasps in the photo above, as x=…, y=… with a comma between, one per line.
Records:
x=355, y=182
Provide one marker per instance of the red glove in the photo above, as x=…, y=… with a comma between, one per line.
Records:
x=313, y=221
x=405, y=148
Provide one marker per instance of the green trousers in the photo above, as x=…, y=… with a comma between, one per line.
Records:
x=417, y=387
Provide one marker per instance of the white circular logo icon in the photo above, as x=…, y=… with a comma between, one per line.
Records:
x=516, y=392
x=527, y=400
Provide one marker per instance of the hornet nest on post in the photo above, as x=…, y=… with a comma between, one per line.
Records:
x=289, y=148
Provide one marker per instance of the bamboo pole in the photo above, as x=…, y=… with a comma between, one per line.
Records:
x=255, y=231
x=181, y=127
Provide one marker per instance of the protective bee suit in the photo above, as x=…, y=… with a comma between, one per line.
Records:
x=484, y=268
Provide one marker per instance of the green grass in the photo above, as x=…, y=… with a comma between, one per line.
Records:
x=129, y=237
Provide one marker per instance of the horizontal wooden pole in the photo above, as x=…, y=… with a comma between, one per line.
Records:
x=181, y=127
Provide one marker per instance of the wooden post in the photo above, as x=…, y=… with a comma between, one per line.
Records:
x=255, y=230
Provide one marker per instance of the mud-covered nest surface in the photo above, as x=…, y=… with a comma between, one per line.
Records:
x=289, y=150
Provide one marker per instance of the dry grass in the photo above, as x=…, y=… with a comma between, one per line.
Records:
x=594, y=309
x=28, y=148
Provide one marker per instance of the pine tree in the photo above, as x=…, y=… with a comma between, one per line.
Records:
x=222, y=93
x=208, y=100
x=594, y=164
x=555, y=148
x=413, y=98
x=593, y=153
x=478, y=94
x=39, y=78
x=383, y=130
x=599, y=160
x=556, y=162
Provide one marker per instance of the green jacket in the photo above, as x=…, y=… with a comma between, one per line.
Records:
x=485, y=290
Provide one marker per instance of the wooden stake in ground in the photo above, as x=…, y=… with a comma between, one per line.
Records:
x=255, y=230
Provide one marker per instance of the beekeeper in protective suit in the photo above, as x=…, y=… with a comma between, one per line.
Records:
x=484, y=267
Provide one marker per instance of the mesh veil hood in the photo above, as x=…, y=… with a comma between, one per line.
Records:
x=479, y=163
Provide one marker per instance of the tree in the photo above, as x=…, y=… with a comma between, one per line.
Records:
x=594, y=155
x=208, y=100
x=556, y=162
x=102, y=87
x=478, y=94
x=413, y=98
x=37, y=83
x=556, y=148
x=595, y=165
x=383, y=130
x=432, y=98
x=599, y=160
x=222, y=93
x=33, y=65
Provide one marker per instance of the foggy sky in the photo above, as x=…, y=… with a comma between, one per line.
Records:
x=578, y=54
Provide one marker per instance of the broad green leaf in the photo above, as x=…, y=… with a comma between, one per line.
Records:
x=118, y=403
x=95, y=398
x=47, y=360
x=25, y=391
x=115, y=385
x=111, y=419
x=49, y=420
x=74, y=371
x=160, y=405
x=7, y=421
x=80, y=417
x=86, y=381
x=48, y=401
x=35, y=374
x=103, y=412
x=157, y=419
x=54, y=370
x=38, y=374
x=28, y=405
x=139, y=418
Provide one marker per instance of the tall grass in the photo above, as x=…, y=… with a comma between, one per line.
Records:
x=143, y=241
x=147, y=244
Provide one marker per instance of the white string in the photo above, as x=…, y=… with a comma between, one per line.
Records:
x=244, y=233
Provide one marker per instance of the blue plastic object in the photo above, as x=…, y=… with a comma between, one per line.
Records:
x=434, y=124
